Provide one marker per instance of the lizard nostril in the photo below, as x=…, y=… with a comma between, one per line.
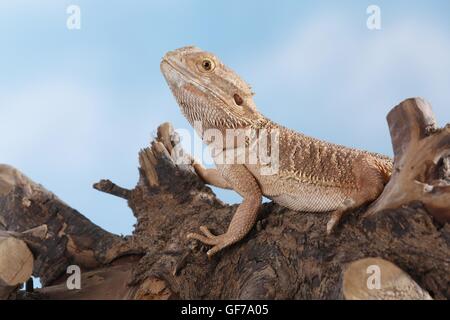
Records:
x=238, y=99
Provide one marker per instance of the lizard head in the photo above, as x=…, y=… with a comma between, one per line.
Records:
x=208, y=91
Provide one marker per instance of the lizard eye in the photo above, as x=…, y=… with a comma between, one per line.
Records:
x=207, y=65
x=238, y=99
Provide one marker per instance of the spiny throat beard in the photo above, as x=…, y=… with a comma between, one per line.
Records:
x=198, y=107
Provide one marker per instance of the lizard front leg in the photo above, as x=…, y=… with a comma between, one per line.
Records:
x=243, y=182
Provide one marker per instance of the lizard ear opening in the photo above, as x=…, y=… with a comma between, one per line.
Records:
x=238, y=99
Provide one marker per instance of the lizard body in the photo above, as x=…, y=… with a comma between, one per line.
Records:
x=312, y=176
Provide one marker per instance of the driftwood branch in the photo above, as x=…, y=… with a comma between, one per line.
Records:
x=109, y=187
x=286, y=256
x=394, y=283
x=57, y=234
x=421, y=161
x=16, y=265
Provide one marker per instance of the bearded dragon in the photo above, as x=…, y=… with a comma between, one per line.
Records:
x=313, y=175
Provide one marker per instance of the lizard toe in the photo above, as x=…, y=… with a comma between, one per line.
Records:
x=225, y=241
x=216, y=249
x=212, y=241
x=218, y=242
x=206, y=232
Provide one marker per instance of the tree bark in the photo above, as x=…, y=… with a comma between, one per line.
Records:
x=286, y=256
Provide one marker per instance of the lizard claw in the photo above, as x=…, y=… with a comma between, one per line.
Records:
x=218, y=242
x=331, y=225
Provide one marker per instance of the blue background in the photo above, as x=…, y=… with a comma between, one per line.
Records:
x=76, y=106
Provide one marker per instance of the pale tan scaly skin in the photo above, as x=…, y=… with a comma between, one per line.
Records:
x=313, y=175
